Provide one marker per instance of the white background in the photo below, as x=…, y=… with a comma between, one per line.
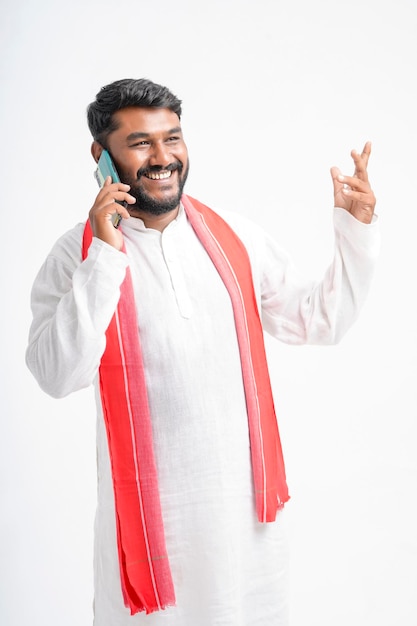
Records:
x=274, y=94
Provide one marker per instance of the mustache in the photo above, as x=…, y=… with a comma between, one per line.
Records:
x=172, y=167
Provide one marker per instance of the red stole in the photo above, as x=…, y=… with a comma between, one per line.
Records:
x=144, y=567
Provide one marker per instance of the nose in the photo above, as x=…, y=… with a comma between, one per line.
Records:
x=161, y=154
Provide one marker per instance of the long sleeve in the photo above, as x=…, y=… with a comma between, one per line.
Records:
x=72, y=304
x=299, y=312
x=73, y=301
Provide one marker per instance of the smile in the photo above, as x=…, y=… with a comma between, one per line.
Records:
x=159, y=175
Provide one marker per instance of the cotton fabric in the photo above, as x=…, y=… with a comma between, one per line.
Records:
x=228, y=569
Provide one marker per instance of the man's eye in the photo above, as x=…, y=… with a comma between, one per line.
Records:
x=173, y=138
x=139, y=144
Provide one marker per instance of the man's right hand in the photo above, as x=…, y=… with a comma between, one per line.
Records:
x=104, y=208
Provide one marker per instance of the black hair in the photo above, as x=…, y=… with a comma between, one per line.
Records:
x=123, y=93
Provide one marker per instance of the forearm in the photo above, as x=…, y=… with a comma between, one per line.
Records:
x=322, y=312
x=348, y=281
x=71, y=312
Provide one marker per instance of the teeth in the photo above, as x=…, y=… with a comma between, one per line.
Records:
x=159, y=175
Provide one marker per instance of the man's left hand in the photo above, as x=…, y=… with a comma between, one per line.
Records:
x=354, y=193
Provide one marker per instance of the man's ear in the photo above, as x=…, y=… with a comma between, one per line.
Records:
x=96, y=150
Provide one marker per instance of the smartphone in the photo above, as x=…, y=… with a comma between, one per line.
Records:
x=105, y=167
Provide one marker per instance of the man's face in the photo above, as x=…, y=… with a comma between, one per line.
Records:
x=150, y=155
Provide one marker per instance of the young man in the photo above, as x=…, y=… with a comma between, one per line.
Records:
x=163, y=315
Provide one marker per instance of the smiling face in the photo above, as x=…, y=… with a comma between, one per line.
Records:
x=150, y=155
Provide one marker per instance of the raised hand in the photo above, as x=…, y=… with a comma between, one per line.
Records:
x=105, y=206
x=354, y=193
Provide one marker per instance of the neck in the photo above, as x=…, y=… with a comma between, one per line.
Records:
x=156, y=222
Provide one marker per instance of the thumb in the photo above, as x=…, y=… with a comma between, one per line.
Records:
x=335, y=172
x=337, y=185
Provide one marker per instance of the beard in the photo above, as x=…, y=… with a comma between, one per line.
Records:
x=149, y=204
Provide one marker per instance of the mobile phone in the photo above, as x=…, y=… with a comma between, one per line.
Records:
x=105, y=167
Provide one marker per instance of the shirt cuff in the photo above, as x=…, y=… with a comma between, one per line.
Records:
x=361, y=234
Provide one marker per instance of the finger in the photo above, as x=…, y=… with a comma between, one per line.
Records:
x=122, y=211
x=109, y=210
x=366, y=152
x=335, y=174
x=360, y=165
x=109, y=187
x=354, y=183
x=121, y=196
x=353, y=195
x=112, y=193
x=364, y=201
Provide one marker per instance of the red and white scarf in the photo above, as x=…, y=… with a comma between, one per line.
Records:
x=144, y=567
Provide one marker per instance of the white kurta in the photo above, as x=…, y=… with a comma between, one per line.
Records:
x=228, y=569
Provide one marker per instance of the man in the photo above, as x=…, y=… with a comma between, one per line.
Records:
x=164, y=315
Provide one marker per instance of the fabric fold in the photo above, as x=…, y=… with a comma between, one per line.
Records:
x=144, y=566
